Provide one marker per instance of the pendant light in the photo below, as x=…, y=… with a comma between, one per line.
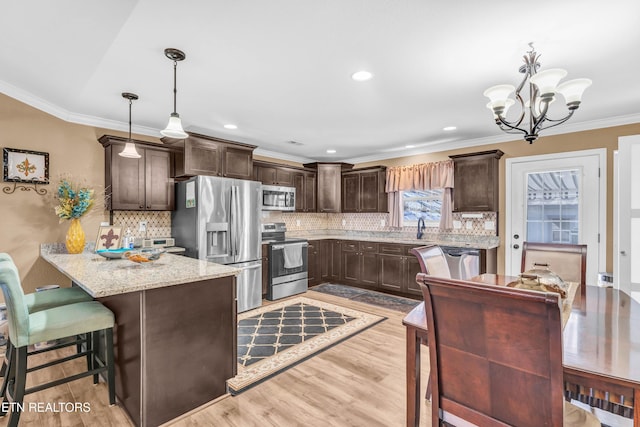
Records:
x=174, y=128
x=130, y=148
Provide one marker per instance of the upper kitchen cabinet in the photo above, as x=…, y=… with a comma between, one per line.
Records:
x=205, y=155
x=476, y=181
x=138, y=184
x=305, y=184
x=329, y=185
x=363, y=190
x=273, y=174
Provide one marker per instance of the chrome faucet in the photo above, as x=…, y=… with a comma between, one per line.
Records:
x=420, y=228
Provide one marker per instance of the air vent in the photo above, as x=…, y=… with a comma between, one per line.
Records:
x=294, y=143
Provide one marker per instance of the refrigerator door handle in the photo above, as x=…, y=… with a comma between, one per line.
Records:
x=235, y=232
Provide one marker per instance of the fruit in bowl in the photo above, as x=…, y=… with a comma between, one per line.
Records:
x=144, y=256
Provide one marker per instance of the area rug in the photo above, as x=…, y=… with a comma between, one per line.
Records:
x=275, y=337
x=378, y=299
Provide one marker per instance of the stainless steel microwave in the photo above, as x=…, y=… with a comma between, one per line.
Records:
x=276, y=198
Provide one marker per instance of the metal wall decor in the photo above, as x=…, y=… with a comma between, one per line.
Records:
x=25, y=167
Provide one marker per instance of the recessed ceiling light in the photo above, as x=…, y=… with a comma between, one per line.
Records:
x=409, y=146
x=449, y=128
x=331, y=151
x=230, y=126
x=362, y=76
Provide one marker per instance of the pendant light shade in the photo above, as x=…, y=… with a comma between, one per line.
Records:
x=130, y=148
x=174, y=127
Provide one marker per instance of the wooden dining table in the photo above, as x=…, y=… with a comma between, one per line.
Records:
x=601, y=350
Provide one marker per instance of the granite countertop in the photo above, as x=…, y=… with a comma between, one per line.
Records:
x=475, y=242
x=101, y=277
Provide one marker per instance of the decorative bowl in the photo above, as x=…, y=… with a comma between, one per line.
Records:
x=114, y=253
x=144, y=256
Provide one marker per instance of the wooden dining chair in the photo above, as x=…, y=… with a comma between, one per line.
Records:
x=432, y=260
x=496, y=356
x=567, y=261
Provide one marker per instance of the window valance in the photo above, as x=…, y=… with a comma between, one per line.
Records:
x=423, y=176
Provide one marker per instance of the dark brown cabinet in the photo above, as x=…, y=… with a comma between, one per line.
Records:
x=363, y=190
x=305, y=184
x=397, y=269
x=359, y=264
x=331, y=260
x=205, y=155
x=329, y=185
x=313, y=262
x=476, y=181
x=273, y=175
x=138, y=184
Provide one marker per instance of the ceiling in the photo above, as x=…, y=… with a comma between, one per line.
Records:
x=281, y=69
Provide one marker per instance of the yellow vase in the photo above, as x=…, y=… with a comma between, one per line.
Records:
x=75, y=237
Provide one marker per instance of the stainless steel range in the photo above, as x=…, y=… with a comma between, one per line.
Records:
x=288, y=268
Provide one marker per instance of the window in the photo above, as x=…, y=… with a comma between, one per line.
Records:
x=553, y=200
x=425, y=204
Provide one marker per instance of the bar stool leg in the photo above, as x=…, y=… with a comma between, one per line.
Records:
x=94, y=336
x=19, y=385
x=6, y=365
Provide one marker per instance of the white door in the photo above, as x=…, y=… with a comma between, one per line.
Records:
x=557, y=198
x=626, y=274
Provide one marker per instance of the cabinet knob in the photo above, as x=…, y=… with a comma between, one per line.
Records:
x=141, y=206
x=148, y=206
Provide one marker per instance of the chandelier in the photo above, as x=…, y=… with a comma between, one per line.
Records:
x=543, y=87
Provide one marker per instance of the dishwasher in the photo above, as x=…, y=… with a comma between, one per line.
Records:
x=464, y=263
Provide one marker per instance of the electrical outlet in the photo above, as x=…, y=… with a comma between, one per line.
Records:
x=469, y=225
x=344, y=222
x=382, y=223
x=297, y=223
x=142, y=226
x=489, y=225
x=457, y=225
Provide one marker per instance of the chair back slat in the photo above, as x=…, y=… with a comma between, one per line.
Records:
x=495, y=352
x=17, y=313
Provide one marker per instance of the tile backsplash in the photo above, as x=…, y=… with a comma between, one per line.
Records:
x=158, y=222
x=481, y=224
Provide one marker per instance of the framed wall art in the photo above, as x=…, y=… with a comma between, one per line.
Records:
x=109, y=237
x=25, y=166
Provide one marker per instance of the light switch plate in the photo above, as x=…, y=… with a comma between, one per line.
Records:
x=469, y=225
x=297, y=223
x=489, y=225
x=457, y=225
x=382, y=223
x=142, y=226
x=344, y=222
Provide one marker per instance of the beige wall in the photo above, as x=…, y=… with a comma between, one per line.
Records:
x=599, y=138
x=27, y=219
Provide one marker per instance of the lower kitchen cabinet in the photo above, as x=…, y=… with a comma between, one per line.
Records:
x=313, y=262
x=388, y=267
x=359, y=264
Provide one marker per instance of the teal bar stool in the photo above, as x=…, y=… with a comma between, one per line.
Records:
x=37, y=301
x=66, y=323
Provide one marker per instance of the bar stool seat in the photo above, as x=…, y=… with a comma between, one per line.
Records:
x=85, y=322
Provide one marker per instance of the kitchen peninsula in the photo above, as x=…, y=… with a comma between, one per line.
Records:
x=175, y=337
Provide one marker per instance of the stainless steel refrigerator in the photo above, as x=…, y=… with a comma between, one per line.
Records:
x=218, y=219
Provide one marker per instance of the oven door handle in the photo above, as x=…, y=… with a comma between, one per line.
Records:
x=278, y=247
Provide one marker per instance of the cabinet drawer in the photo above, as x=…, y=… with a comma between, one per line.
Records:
x=391, y=248
x=368, y=247
x=350, y=246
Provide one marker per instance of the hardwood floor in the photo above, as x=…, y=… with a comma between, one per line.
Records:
x=358, y=382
